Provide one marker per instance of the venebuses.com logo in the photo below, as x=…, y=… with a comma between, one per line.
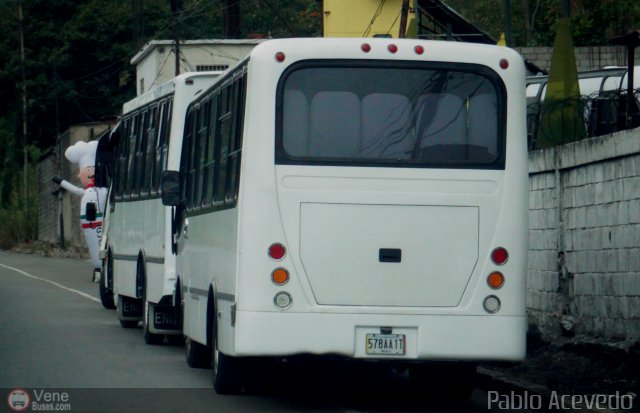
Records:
x=18, y=400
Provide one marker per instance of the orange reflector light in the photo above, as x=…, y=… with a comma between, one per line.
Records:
x=499, y=255
x=495, y=280
x=280, y=276
x=277, y=251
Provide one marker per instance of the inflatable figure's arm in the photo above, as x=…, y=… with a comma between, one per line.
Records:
x=69, y=186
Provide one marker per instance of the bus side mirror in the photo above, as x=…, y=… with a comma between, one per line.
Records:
x=170, y=185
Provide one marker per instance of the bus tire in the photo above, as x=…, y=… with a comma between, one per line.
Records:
x=149, y=337
x=128, y=323
x=227, y=373
x=106, y=294
x=198, y=355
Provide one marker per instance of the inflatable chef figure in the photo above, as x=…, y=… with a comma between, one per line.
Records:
x=93, y=201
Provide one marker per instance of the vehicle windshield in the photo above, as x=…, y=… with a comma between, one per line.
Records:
x=415, y=115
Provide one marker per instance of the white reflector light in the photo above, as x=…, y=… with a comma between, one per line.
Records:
x=491, y=304
x=282, y=300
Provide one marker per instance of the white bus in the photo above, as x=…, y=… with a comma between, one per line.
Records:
x=356, y=198
x=139, y=275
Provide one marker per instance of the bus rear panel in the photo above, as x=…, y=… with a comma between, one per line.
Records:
x=382, y=208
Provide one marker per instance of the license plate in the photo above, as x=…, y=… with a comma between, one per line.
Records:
x=386, y=344
x=164, y=318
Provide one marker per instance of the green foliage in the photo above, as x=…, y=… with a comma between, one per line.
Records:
x=593, y=21
x=17, y=223
x=77, y=69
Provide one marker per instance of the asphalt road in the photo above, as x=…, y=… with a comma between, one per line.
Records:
x=65, y=351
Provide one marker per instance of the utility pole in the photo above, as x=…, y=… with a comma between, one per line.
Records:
x=232, y=18
x=138, y=21
x=566, y=8
x=507, y=22
x=24, y=114
x=176, y=5
x=404, y=14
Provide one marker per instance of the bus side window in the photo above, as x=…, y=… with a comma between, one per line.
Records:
x=212, y=152
x=191, y=157
x=235, y=143
x=134, y=129
x=226, y=129
x=202, y=129
x=163, y=142
x=141, y=154
x=295, y=123
x=386, y=126
x=152, y=138
x=185, y=159
x=334, y=124
x=122, y=173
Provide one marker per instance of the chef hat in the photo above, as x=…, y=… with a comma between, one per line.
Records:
x=82, y=153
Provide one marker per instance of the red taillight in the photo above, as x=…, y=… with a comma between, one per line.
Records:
x=280, y=57
x=504, y=64
x=419, y=49
x=366, y=47
x=499, y=256
x=392, y=48
x=277, y=251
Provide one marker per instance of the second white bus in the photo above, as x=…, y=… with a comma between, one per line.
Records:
x=139, y=275
x=358, y=198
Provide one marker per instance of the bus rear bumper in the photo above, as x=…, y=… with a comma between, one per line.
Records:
x=427, y=337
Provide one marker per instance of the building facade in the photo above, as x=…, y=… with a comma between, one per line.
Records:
x=156, y=61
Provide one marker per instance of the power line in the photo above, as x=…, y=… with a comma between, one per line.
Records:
x=394, y=22
x=376, y=14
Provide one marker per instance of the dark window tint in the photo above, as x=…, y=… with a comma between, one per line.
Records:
x=415, y=115
x=142, y=150
x=212, y=145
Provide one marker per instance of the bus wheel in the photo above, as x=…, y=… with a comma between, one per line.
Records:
x=149, y=337
x=198, y=355
x=227, y=372
x=106, y=294
x=453, y=381
x=175, y=339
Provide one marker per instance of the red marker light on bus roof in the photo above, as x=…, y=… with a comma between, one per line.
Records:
x=366, y=47
x=419, y=49
x=280, y=57
x=392, y=48
x=277, y=251
x=499, y=256
x=504, y=64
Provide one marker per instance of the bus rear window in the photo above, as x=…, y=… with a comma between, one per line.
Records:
x=422, y=115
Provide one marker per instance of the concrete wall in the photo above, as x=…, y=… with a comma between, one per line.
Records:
x=587, y=58
x=584, y=258
x=48, y=226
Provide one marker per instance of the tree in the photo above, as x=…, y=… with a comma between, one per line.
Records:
x=533, y=23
